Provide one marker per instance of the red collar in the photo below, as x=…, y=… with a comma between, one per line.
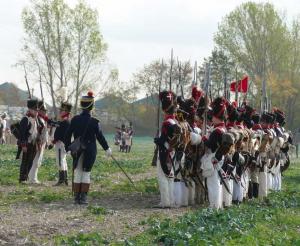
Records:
x=222, y=124
x=169, y=116
x=256, y=127
x=230, y=124
x=30, y=114
x=65, y=116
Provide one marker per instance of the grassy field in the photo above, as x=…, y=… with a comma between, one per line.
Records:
x=120, y=215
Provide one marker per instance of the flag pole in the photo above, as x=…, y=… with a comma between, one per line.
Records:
x=236, y=87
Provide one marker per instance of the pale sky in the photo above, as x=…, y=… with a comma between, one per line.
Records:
x=137, y=31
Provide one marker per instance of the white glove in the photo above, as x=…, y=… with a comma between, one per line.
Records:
x=108, y=152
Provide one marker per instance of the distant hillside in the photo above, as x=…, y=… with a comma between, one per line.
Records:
x=150, y=101
x=12, y=95
x=107, y=101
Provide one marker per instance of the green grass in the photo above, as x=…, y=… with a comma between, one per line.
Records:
x=138, y=161
x=273, y=221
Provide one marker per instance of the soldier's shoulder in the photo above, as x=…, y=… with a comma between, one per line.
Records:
x=95, y=120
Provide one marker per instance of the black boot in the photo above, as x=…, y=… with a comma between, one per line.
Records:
x=66, y=178
x=83, y=198
x=77, y=194
x=60, y=178
x=255, y=190
x=84, y=191
x=77, y=197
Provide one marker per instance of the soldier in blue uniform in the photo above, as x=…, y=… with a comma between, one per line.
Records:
x=59, y=142
x=27, y=139
x=88, y=128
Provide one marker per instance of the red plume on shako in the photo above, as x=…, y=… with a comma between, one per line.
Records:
x=87, y=102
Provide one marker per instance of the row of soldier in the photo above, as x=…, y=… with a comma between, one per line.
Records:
x=36, y=131
x=218, y=151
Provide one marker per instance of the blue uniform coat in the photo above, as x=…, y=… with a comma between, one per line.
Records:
x=76, y=129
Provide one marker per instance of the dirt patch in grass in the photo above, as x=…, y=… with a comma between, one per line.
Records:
x=38, y=223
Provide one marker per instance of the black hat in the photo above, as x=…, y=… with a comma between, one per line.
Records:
x=67, y=107
x=255, y=118
x=32, y=104
x=266, y=118
x=219, y=108
x=280, y=117
x=42, y=105
x=87, y=102
x=168, y=101
x=201, y=107
x=232, y=113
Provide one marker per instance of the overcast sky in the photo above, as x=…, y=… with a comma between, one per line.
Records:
x=137, y=31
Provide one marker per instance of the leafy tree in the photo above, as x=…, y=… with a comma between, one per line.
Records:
x=257, y=38
x=64, y=45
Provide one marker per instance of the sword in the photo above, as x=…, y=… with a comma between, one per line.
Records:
x=119, y=165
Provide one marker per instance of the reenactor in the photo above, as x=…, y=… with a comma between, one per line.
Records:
x=27, y=138
x=86, y=130
x=59, y=142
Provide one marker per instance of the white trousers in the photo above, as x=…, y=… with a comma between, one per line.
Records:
x=191, y=193
x=238, y=191
x=214, y=189
x=245, y=180
x=263, y=184
x=277, y=178
x=37, y=161
x=227, y=197
x=61, y=156
x=79, y=175
x=166, y=188
x=181, y=192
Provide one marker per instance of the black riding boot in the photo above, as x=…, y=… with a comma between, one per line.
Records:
x=77, y=194
x=84, y=191
x=66, y=177
x=61, y=177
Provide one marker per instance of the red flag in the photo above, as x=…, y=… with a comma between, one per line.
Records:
x=242, y=85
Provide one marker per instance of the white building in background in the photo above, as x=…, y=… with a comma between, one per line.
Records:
x=13, y=113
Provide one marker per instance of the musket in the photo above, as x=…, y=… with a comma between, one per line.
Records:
x=154, y=159
x=195, y=74
x=40, y=81
x=26, y=80
x=171, y=68
x=225, y=86
x=207, y=78
x=223, y=182
x=179, y=79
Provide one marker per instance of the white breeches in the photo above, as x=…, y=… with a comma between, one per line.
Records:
x=191, y=193
x=181, y=192
x=245, y=181
x=61, y=156
x=166, y=188
x=37, y=161
x=263, y=182
x=270, y=180
x=227, y=197
x=214, y=189
x=79, y=175
x=277, y=178
x=238, y=191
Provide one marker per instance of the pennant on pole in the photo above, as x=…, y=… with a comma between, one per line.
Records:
x=242, y=85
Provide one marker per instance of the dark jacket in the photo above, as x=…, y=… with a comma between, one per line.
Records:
x=60, y=131
x=77, y=128
x=25, y=126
